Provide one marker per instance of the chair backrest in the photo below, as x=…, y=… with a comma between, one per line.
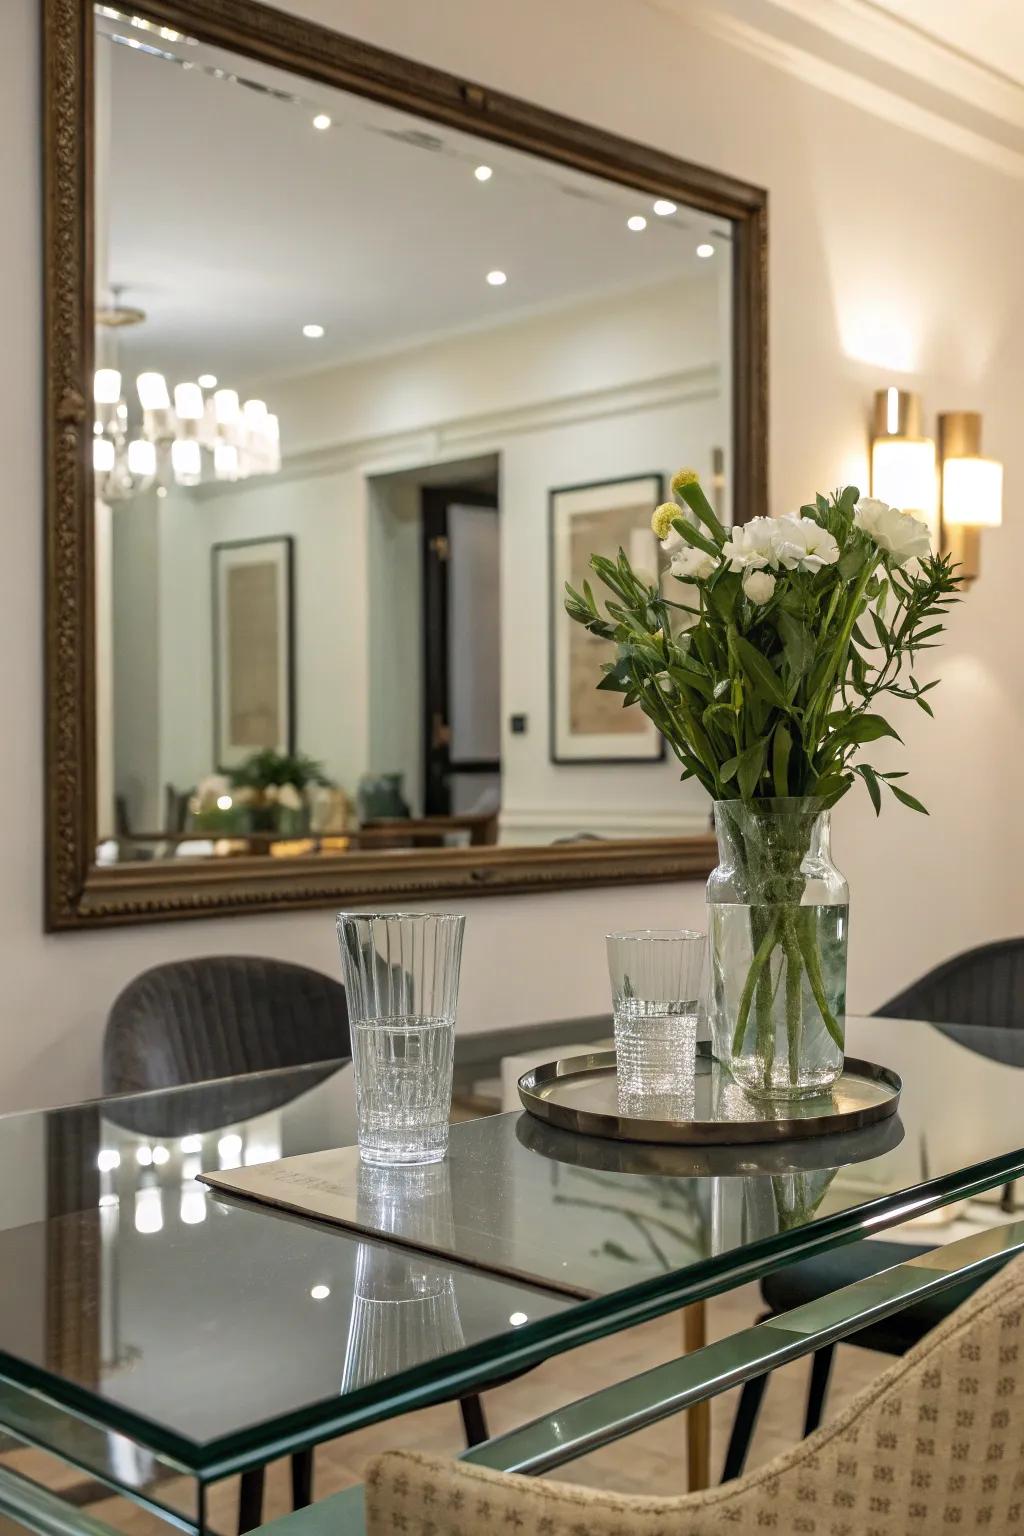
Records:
x=984, y=987
x=937, y=1441
x=220, y=1015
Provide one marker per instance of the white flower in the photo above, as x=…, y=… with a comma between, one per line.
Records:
x=693, y=564
x=803, y=545
x=211, y=789
x=289, y=797
x=752, y=545
x=672, y=541
x=759, y=586
x=902, y=535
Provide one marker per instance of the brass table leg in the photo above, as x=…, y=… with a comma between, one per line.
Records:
x=698, y=1418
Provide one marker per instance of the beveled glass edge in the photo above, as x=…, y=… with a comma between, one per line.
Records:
x=478, y=1365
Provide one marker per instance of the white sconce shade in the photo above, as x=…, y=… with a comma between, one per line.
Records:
x=152, y=388
x=106, y=386
x=186, y=460
x=225, y=461
x=102, y=455
x=255, y=412
x=142, y=457
x=903, y=474
x=188, y=401
x=972, y=492
x=226, y=409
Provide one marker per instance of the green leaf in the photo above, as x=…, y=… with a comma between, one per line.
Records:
x=863, y=728
x=728, y=769
x=923, y=704
x=751, y=763
x=850, y=563
x=781, y=745
x=796, y=643
x=880, y=630
x=694, y=536
x=760, y=672
x=915, y=805
x=871, y=780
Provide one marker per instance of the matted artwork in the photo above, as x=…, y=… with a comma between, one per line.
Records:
x=253, y=674
x=588, y=726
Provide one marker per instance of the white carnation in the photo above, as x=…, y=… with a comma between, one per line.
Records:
x=902, y=535
x=752, y=545
x=672, y=541
x=693, y=564
x=802, y=544
x=759, y=586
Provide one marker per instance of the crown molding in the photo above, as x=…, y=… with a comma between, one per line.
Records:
x=860, y=53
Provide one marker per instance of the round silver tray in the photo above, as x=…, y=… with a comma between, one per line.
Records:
x=581, y=1093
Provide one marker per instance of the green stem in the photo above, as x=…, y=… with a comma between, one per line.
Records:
x=764, y=1000
x=794, y=995
x=812, y=960
x=757, y=965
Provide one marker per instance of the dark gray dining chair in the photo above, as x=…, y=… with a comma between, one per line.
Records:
x=967, y=997
x=192, y=1021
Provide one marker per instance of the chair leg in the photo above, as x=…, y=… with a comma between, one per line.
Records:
x=250, y=1500
x=821, y=1367
x=474, y=1421
x=302, y=1479
x=743, y=1427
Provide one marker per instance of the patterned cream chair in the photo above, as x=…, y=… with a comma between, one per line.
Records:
x=936, y=1444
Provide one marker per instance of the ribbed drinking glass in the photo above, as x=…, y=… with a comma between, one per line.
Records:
x=401, y=972
x=657, y=977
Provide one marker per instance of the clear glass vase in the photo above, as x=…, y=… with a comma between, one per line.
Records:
x=778, y=930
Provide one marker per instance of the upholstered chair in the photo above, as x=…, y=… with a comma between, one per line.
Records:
x=936, y=1443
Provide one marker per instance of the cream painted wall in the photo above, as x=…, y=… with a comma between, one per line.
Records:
x=881, y=244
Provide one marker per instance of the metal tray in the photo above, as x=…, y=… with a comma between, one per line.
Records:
x=581, y=1093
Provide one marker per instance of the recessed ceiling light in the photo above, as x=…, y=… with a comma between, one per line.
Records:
x=314, y=332
x=320, y=1292
x=321, y=121
x=207, y=381
x=636, y=222
x=483, y=173
x=663, y=207
x=704, y=250
x=497, y=278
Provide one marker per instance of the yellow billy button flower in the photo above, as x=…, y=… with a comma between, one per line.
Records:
x=661, y=519
x=682, y=478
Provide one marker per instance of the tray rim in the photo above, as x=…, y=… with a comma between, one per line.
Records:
x=696, y=1132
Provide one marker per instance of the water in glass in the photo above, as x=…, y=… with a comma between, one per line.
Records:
x=403, y=1072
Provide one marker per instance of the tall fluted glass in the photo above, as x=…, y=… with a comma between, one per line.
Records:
x=401, y=972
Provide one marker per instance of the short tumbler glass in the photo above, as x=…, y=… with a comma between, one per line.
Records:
x=657, y=977
x=401, y=972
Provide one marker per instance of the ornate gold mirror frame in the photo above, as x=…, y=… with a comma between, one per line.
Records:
x=78, y=894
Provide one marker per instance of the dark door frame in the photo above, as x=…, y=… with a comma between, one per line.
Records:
x=437, y=763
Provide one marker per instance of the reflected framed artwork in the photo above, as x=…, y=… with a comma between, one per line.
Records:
x=253, y=630
x=588, y=725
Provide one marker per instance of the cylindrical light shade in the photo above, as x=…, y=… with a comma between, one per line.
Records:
x=106, y=386
x=225, y=461
x=225, y=407
x=188, y=401
x=255, y=414
x=903, y=474
x=102, y=455
x=972, y=492
x=142, y=457
x=186, y=460
x=152, y=388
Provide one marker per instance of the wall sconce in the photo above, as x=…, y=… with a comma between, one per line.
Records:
x=972, y=489
x=902, y=460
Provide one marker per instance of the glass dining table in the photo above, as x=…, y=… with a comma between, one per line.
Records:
x=155, y=1333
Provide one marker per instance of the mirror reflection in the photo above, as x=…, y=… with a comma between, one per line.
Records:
x=368, y=391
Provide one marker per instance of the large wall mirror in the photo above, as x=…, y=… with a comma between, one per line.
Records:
x=351, y=366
